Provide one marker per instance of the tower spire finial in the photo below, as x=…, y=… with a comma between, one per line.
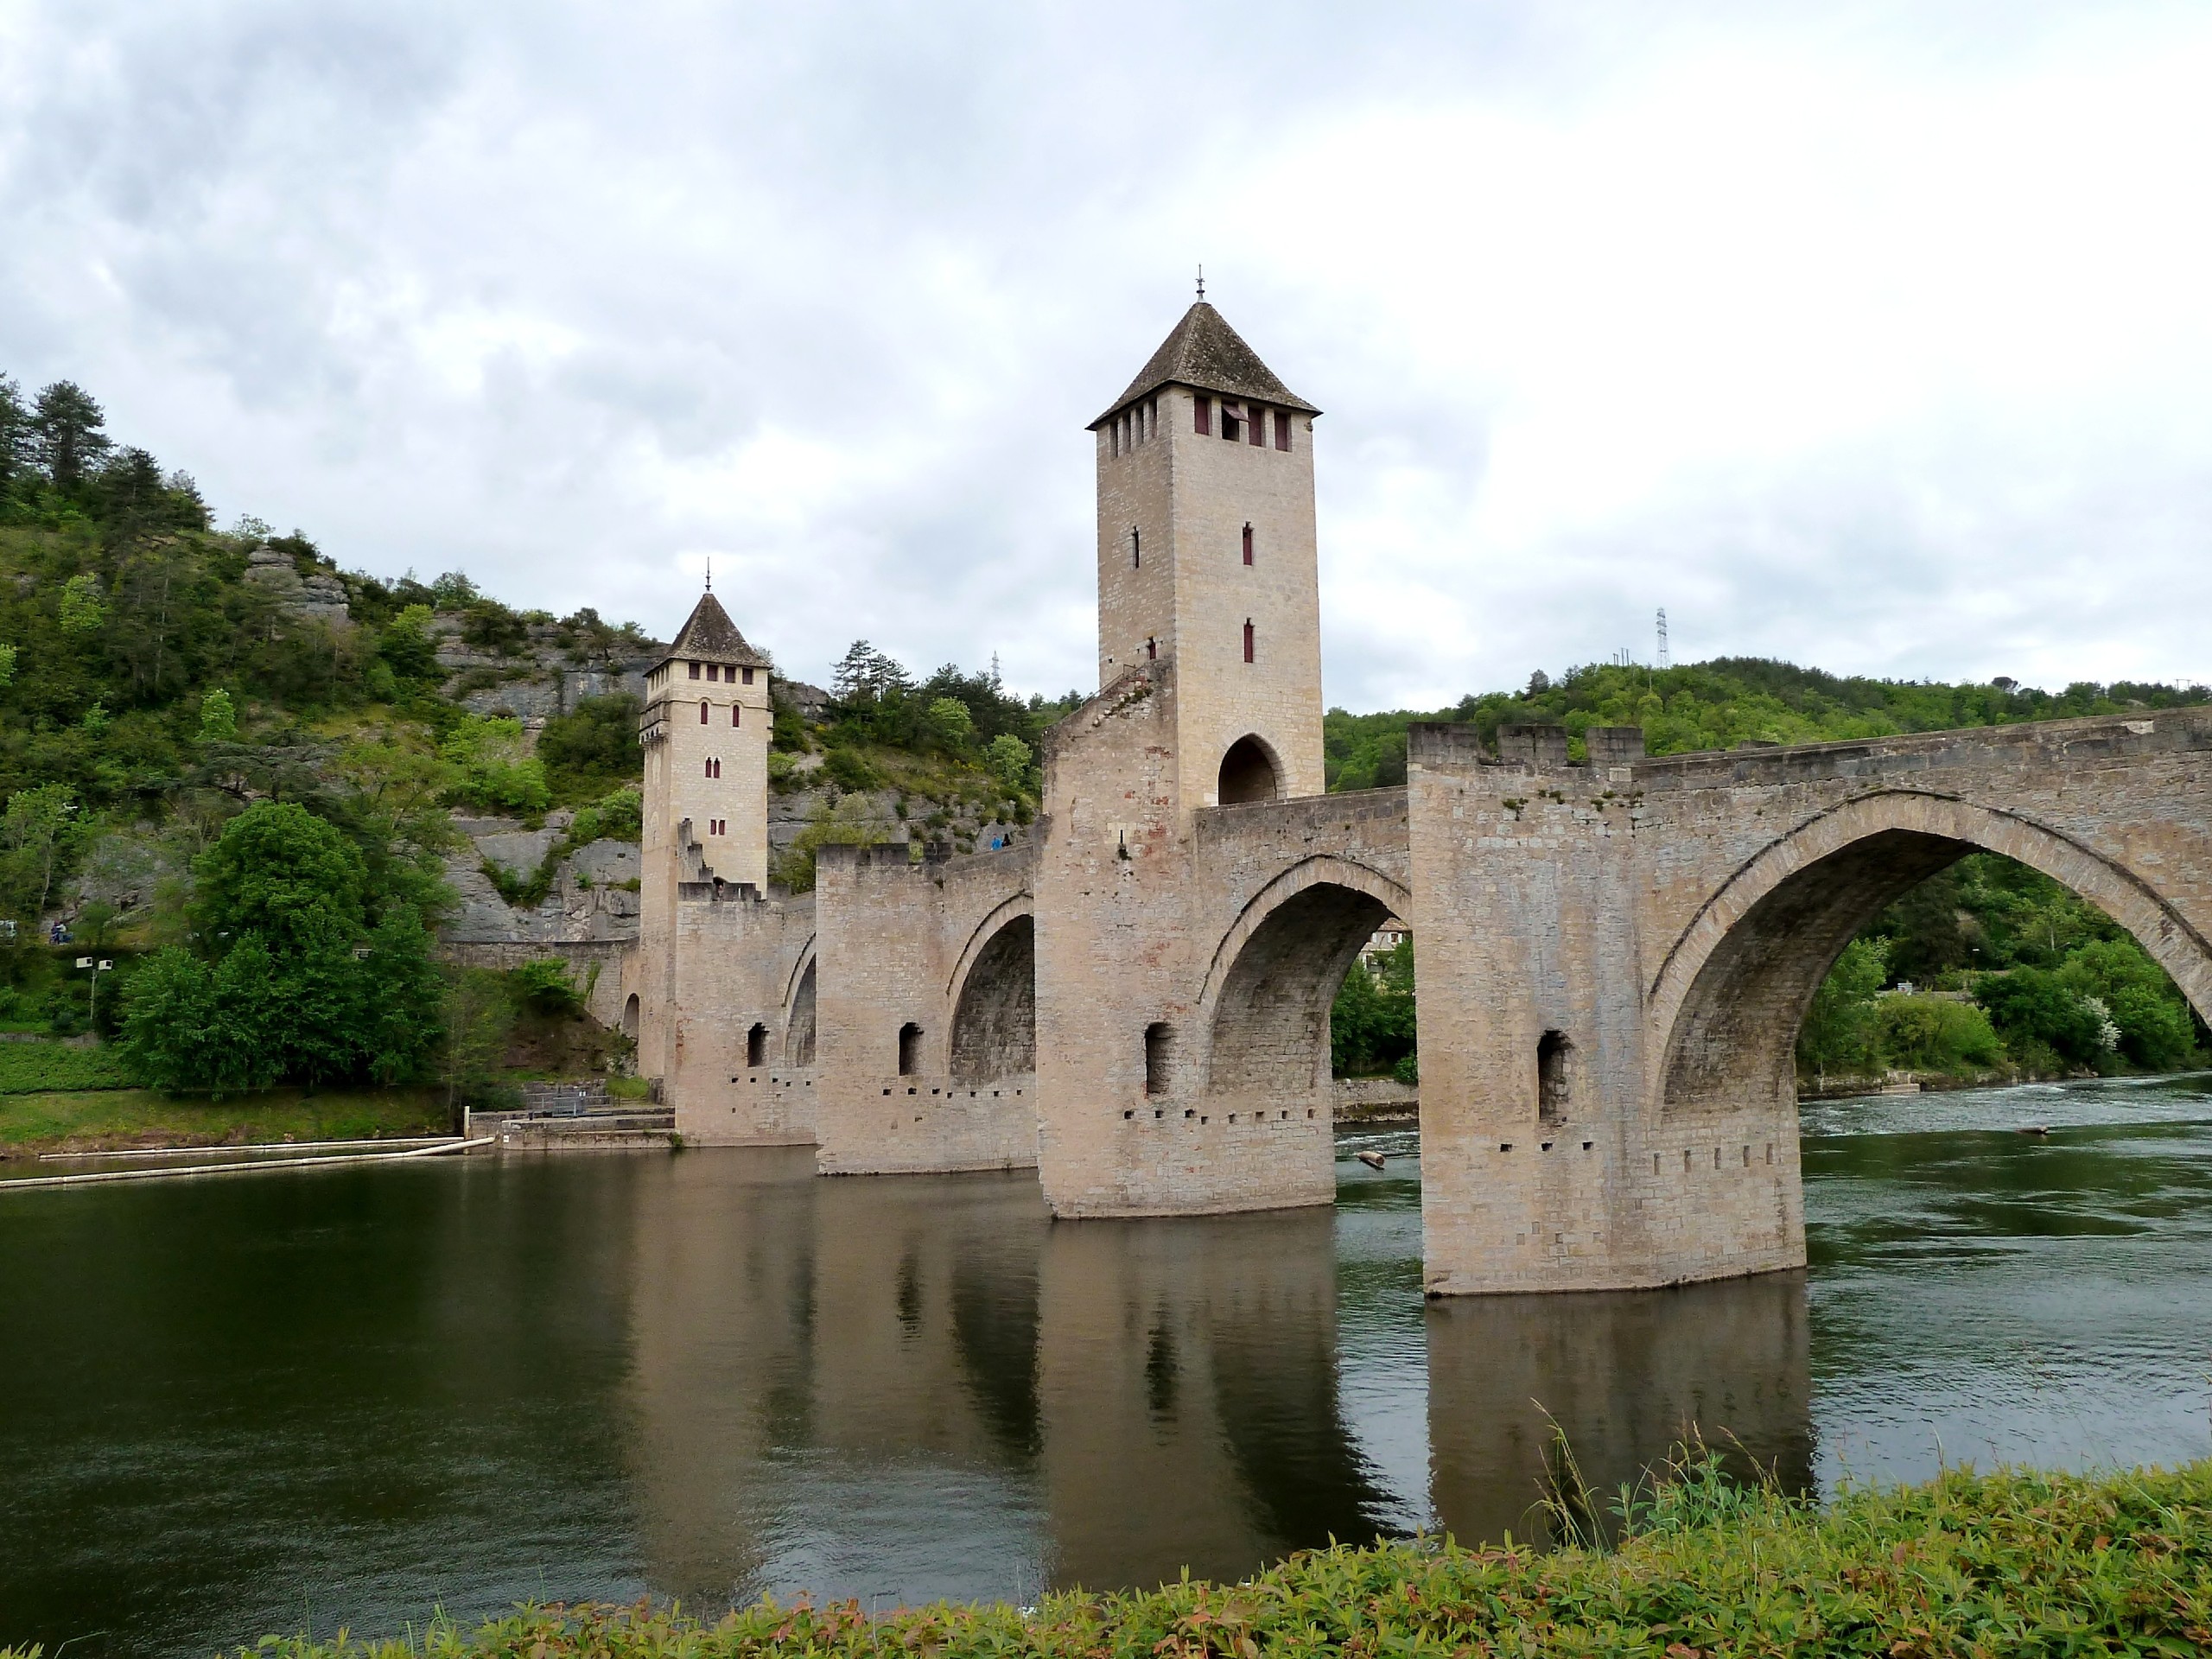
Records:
x=1202, y=282
x=710, y=573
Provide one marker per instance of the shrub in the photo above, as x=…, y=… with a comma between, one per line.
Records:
x=496, y=775
x=544, y=985
x=1935, y=1033
x=39, y=1067
x=2031, y=1005
x=848, y=769
x=593, y=747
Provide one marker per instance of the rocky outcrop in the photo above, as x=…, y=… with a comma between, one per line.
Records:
x=592, y=898
x=312, y=595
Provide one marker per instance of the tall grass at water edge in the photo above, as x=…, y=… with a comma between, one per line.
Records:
x=2016, y=1562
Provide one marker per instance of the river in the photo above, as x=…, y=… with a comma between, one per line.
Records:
x=351, y=1396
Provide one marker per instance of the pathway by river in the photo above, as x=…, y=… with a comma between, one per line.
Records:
x=350, y=1395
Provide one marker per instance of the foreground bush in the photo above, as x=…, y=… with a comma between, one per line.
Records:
x=2005, y=1564
x=38, y=1068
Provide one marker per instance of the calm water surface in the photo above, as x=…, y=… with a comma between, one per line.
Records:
x=353, y=1395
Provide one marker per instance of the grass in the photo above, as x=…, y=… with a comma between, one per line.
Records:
x=83, y=1122
x=2012, y=1563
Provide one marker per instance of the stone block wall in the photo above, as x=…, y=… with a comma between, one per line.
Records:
x=1614, y=959
x=899, y=943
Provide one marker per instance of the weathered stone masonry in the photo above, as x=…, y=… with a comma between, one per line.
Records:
x=1614, y=955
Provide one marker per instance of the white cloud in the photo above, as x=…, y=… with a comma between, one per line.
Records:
x=1868, y=336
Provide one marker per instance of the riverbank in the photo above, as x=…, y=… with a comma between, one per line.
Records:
x=110, y=1120
x=2013, y=1562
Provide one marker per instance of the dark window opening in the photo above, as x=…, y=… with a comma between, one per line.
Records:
x=1152, y=650
x=1137, y=549
x=732, y=715
x=1158, y=1048
x=748, y=676
x=1248, y=773
x=1202, y=416
x=1248, y=545
x=1231, y=426
x=712, y=672
x=702, y=712
x=1282, y=429
x=1250, y=641
x=756, y=1045
x=1551, y=1077
x=910, y=1049
x=695, y=669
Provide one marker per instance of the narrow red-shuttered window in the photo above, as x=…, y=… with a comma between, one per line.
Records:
x=1248, y=543
x=1248, y=639
x=1202, y=416
x=732, y=714
x=703, y=714
x=695, y=670
x=712, y=672
x=1256, y=430
x=1282, y=429
x=748, y=676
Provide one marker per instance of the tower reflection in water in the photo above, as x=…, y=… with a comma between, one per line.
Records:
x=907, y=1390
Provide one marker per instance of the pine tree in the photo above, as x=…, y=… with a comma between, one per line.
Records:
x=17, y=433
x=71, y=434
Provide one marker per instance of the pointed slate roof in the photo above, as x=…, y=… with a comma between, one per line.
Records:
x=710, y=637
x=1205, y=353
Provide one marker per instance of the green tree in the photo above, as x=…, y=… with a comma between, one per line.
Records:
x=283, y=873
x=1008, y=758
x=497, y=774
x=218, y=717
x=592, y=748
x=18, y=436
x=1372, y=1025
x=950, y=723
x=70, y=433
x=1835, y=1037
x=2148, y=1010
x=83, y=607
x=38, y=830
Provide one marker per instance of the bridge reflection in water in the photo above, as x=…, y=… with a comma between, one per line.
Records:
x=903, y=1390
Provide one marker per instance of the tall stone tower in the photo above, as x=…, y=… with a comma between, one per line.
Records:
x=1207, y=557
x=706, y=727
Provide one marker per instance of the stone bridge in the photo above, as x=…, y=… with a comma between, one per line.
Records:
x=1614, y=954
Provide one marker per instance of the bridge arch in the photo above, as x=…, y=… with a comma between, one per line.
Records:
x=1278, y=968
x=799, y=1003
x=995, y=1009
x=1251, y=771
x=1729, y=998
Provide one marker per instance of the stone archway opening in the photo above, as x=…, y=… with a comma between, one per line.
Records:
x=630, y=1017
x=1248, y=773
x=1270, y=1035
x=1732, y=1043
x=798, y=1032
x=995, y=1020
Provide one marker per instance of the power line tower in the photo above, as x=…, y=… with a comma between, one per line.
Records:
x=1663, y=635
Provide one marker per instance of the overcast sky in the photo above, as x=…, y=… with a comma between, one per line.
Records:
x=1871, y=336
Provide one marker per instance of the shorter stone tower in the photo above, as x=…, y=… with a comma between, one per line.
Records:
x=705, y=730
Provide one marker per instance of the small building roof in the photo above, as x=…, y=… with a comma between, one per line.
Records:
x=709, y=636
x=1205, y=353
